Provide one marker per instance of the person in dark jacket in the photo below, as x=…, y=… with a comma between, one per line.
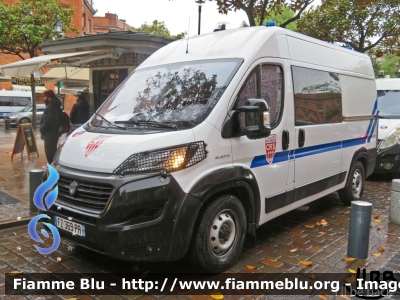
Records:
x=50, y=124
x=80, y=111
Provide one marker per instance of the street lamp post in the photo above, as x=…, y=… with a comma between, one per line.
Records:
x=200, y=4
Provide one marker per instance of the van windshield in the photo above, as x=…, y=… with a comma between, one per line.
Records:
x=182, y=94
x=389, y=103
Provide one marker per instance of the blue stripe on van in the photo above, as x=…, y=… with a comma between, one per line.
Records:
x=375, y=107
x=372, y=131
x=260, y=160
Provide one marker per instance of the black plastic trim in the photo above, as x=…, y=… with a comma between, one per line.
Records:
x=231, y=178
x=288, y=197
x=388, y=154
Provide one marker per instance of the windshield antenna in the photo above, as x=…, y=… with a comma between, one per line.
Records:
x=187, y=39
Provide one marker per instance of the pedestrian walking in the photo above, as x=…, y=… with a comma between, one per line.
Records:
x=50, y=124
x=80, y=111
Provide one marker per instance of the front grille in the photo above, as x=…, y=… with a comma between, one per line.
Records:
x=141, y=251
x=90, y=196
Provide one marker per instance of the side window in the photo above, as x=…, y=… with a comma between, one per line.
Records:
x=249, y=89
x=21, y=101
x=5, y=101
x=317, y=97
x=272, y=91
x=264, y=82
x=40, y=109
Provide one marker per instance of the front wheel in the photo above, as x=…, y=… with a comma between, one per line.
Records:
x=24, y=121
x=220, y=235
x=355, y=187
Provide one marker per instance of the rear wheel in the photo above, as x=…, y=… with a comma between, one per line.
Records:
x=355, y=187
x=24, y=121
x=220, y=235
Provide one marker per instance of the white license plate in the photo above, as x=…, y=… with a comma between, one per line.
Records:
x=74, y=228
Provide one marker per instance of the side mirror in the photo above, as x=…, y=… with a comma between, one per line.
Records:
x=252, y=120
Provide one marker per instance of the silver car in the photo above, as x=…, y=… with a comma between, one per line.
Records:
x=25, y=115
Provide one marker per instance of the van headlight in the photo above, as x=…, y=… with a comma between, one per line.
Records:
x=391, y=140
x=164, y=160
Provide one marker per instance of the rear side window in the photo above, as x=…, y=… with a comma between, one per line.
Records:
x=264, y=82
x=317, y=97
x=21, y=101
x=5, y=101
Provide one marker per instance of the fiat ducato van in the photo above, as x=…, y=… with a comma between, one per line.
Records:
x=388, y=99
x=213, y=136
x=13, y=101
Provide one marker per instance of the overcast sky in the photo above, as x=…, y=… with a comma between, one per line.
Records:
x=175, y=14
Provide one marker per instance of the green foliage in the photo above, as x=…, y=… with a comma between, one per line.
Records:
x=28, y=23
x=361, y=24
x=281, y=17
x=259, y=9
x=389, y=65
x=158, y=28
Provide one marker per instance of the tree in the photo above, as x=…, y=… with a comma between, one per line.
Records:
x=158, y=28
x=258, y=9
x=389, y=65
x=364, y=25
x=281, y=17
x=27, y=24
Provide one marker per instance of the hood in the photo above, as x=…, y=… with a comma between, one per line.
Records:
x=101, y=152
x=385, y=126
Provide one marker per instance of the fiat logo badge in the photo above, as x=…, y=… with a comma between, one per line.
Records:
x=73, y=188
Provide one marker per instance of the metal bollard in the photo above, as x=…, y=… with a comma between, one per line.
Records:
x=7, y=124
x=394, y=215
x=360, y=224
x=35, y=179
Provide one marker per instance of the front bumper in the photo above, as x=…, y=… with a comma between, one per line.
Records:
x=388, y=160
x=146, y=218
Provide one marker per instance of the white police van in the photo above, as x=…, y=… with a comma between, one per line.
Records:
x=210, y=138
x=388, y=160
x=13, y=101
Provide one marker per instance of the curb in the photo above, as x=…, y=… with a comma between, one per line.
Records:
x=17, y=223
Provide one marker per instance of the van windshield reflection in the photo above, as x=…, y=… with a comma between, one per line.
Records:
x=177, y=95
x=389, y=104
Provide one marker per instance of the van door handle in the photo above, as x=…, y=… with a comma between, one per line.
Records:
x=302, y=137
x=285, y=140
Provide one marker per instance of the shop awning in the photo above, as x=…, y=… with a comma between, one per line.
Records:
x=67, y=73
x=29, y=66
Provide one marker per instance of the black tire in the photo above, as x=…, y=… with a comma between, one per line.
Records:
x=355, y=187
x=24, y=121
x=227, y=217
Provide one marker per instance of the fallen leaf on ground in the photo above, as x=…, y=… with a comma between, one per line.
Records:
x=310, y=290
x=348, y=206
x=273, y=260
x=251, y=267
x=1, y=188
x=72, y=299
x=344, y=297
x=322, y=232
x=323, y=297
x=309, y=226
x=324, y=222
x=380, y=228
x=217, y=296
x=3, y=179
x=349, y=259
x=376, y=216
x=377, y=254
x=398, y=238
x=380, y=248
x=352, y=271
x=312, y=276
x=378, y=220
x=318, y=223
x=15, y=272
x=17, y=174
x=293, y=250
x=306, y=262
x=389, y=198
x=1, y=217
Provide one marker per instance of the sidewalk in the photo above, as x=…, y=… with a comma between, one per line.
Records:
x=14, y=178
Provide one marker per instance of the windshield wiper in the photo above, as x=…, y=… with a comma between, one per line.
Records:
x=149, y=123
x=108, y=122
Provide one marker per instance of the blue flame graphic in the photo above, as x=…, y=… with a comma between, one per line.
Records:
x=49, y=201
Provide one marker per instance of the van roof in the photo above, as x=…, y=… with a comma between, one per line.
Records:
x=388, y=84
x=251, y=43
